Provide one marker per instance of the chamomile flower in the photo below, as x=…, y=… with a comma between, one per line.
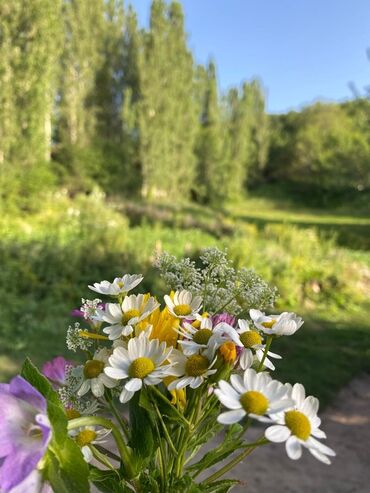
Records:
x=195, y=340
x=298, y=427
x=192, y=370
x=141, y=363
x=252, y=347
x=94, y=377
x=118, y=286
x=183, y=305
x=255, y=395
x=285, y=324
x=122, y=318
x=87, y=436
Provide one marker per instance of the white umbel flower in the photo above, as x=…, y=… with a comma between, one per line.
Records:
x=141, y=363
x=192, y=370
x=86, y=436
x=94, y=377
x=299, y=426
x=122, y=318
x=120, y=285
x=285, y=324
x=255, y=395
x=252, y=347
x=183, y=304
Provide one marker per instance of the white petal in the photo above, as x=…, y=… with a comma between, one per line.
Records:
x=277, y=433
x=125, y=395
x=134, y=384
x=97, y=387
x=231, y=417
x=117, y=373
x=246, y=359
x=293, y=448
x=321, y=457
x=313, y=443
x=85, y=387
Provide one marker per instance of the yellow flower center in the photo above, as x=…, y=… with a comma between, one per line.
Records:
x=85, y=437
x=196, y=365
x=269, y=324
x=298, y=423
x=228, y=351
x=197, y=323
x=129, y=315
x=120, y=284
x=202, y=336
x=250, y=338
x=254, y=402
x=72, y=413
x=182, y=310
x=141, y=367
x=93, y=368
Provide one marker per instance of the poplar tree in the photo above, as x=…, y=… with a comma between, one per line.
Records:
x=80, y=63
x=30, y=39
x=109, y=77
x=167, y=107
x=210, y=146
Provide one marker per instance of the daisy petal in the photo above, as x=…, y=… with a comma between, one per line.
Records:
x=277, y=433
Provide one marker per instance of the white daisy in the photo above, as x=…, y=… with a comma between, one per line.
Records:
x=94, y=377
x=252, y=347
x=86, y=436
x=298, y=427
x=121, y=318
x=253, y=394
x=118, y=286
x=287, y=323
x=191, y=370
x=183, y=304
x=194, y=339
x=141, y=362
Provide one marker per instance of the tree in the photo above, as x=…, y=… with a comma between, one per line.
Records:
x=30, y=40
x=210, y=151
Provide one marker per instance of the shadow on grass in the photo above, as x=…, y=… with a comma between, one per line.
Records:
x=351, y=235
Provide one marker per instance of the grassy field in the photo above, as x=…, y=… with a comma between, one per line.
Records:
x=319, y=261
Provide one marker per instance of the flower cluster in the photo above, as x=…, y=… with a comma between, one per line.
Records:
x=170, y=372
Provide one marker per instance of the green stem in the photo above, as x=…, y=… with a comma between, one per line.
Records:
x=164, y=427
x=267, y=347
x=105, y=423
x=116, y=414
x=249, y=449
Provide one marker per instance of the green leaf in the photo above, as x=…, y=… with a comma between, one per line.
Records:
x=107, y=481
x=67, y=471
x=166, y=408
x=222, y=486
x=31, y=373
x=142, y=437
x=228, y=446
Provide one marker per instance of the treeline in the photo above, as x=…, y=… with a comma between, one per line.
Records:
x=87, y=97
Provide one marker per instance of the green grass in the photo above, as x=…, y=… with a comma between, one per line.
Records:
x=51, y=256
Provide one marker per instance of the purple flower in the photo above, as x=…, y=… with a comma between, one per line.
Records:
x=77, y=313
x=55, y=370
x=24, y=432
x=223, y=317
x=32, y=484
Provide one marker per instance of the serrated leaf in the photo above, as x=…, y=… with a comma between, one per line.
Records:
x=31, y=373
x=73, y=468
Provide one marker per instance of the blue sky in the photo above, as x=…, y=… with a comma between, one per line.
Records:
x=302, y=50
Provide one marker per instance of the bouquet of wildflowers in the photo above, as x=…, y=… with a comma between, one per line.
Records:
x=157, y=383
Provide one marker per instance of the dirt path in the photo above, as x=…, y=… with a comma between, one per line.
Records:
x=347, y=424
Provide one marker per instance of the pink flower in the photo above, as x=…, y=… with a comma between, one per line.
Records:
x=55, y=370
